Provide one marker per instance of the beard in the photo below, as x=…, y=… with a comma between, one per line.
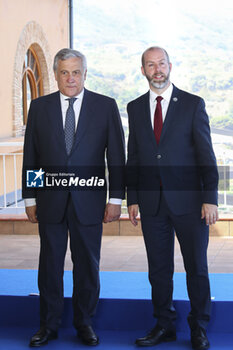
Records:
x=159, y=84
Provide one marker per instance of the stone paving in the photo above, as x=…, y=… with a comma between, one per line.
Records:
x=119, y=253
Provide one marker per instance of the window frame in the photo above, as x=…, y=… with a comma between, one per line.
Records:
x=31, y=69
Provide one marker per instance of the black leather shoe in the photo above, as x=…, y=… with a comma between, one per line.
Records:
x=199, y=339
x=42, y=337
x=157, y=335
x=87, y=335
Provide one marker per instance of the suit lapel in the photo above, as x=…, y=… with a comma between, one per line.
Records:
x=55, y=117
x=147, y=119
x=85, y=116
x=171, y=111
x=54, y=113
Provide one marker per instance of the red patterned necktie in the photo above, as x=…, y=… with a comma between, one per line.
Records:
x=158, y=119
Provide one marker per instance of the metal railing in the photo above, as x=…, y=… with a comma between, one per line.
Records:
x=10, y=196
x=12, y=199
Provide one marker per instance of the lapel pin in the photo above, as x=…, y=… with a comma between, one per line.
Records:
x=175, y=99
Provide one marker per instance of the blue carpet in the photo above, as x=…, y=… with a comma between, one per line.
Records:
x=109, y=340
x=123, y=285
x=124, y=311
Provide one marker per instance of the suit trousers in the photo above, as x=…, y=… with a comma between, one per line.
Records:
x=85, y=244
x=193, y=236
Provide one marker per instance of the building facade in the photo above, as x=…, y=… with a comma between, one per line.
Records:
x=32, y=32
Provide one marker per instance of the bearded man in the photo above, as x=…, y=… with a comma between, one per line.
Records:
x=172, y=178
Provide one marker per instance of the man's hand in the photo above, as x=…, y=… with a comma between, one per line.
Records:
x=210, y=213
x=112, y=212
x=31, y=214
x=133, y=213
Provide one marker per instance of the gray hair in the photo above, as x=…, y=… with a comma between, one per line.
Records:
x=154, y=48
x=64, y=54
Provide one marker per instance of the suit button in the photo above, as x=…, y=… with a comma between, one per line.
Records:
x=159, y=156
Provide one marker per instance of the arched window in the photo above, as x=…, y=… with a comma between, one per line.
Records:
x=32, y=84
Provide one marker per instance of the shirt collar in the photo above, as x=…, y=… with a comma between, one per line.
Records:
x=166, y=94
x=79, y=96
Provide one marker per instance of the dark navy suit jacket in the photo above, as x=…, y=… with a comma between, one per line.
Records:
x=99, y=136
x=183, y=163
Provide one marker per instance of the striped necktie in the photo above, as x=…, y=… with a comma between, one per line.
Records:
x=70, y=125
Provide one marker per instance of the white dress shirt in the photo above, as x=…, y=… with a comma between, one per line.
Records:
x=166, y=95
x=77, y=108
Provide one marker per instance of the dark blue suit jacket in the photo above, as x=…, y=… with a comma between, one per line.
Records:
x=99, y=134
x=183, y=163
